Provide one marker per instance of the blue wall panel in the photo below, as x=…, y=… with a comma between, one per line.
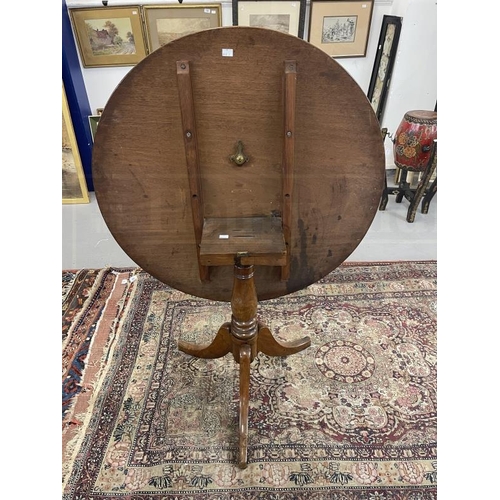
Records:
x=76, y=94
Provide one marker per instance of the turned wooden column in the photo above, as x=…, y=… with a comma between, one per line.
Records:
x=244, y=329
x=244, y=325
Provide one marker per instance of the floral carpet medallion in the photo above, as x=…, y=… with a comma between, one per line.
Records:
x=351, y=417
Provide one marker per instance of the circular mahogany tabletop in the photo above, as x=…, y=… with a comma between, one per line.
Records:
x=140, y=168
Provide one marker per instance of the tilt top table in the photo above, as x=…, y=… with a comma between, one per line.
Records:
x=239, y=164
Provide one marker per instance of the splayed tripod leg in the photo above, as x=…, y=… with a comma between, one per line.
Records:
x=244, y=336
x=245, y=359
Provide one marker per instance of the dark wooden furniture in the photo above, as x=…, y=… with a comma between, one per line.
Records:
x=385, y=57
x=424, y=192
x=239, y=164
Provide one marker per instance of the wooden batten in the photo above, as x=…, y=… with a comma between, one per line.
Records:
x=290, y=91
x=192, y=158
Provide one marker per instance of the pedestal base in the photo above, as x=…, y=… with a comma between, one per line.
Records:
x=245, y=337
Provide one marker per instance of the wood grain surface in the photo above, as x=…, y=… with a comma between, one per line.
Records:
x=141, y=170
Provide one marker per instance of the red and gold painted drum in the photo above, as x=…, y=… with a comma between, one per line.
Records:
x=414, y=138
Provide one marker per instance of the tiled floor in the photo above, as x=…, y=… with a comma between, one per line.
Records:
x=87, y=241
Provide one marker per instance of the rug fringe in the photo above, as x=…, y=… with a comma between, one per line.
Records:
x=94, y=385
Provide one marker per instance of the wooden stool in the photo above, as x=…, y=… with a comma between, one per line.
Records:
x=424, y=192
x=415, y=150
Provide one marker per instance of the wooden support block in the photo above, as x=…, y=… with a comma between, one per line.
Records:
x=255, y=240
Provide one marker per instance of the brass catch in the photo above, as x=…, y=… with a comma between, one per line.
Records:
x=239, y=157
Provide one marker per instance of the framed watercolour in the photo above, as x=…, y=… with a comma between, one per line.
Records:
x=165, y=23
x=384, y=63
x=93, y=122
x=281, y=15
x=74, y=187
x=339, y=27
x=109, y=36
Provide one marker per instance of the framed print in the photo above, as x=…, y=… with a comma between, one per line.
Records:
x=109, y=36
x=93, y=122
x=384, y=63
x=165, y=23
x=280, y=15
x=340, y=28
x=74, y=186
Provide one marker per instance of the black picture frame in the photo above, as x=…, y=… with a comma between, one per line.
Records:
x=265, y=11
x=384, y=63
x=341, y=28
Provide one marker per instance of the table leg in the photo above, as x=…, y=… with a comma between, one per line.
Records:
x=385, y=195
x=424, y=183
x=220, y=346
x=403, y=186
x=267, y=344
x=428, y=197
x=245, y=359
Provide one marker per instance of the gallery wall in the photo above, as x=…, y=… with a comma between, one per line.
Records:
x=414, y=77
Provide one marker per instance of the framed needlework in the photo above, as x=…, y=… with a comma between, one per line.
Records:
x=109, y=36
x=384, y=63
x=281, y=15
x=165, y=23
x=74, y=186
x=339, y=27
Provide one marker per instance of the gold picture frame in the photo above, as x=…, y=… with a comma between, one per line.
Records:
x=111, y=36
x=340, y=27
x=281, y=15
x=74, y=186
x=93, y=122
x=165, y=23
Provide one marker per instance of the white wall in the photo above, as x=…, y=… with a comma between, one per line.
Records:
x=414, y=77
x=360, y=68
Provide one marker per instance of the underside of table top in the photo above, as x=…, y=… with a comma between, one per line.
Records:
x=140, y=164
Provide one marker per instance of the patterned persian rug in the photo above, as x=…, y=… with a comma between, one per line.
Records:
x=351, y=417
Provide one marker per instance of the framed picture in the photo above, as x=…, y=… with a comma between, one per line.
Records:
x=74, y=186
x=340, y=27
x=165, y=23
x=280, y=15
x=93, y=122
x=384, y=63
x=109, y=36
